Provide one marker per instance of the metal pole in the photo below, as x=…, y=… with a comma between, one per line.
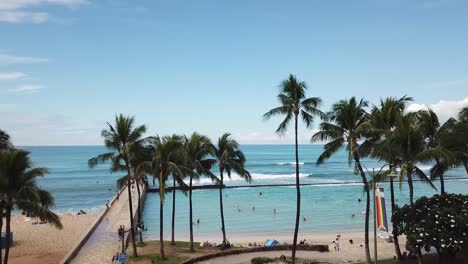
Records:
x=375, y=222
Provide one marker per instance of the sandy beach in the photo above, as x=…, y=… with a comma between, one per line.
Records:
x=348, y=252
x=43, y=243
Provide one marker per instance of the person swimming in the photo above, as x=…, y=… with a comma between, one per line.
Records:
x=274, y=211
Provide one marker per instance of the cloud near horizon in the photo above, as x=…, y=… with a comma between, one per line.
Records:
x=28, y=88
x=6, y=76
x=443, y=109
x=8, y=59
x=14, y=11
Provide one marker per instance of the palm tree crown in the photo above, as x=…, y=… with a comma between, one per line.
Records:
x=294, y=103
x=122, y=139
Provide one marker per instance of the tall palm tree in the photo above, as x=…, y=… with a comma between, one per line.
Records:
x=178, y=179
x=347, y=126
x=229, y=158
x=295, y=105
x=122, y=139
x=5, y=142
x=136, y=159
x=437, y=135
x=407, y=142
x=169, y=159
x=383, y=121
x=19, y=189
x=200, y=151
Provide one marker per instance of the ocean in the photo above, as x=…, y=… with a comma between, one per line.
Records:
x=331, y=204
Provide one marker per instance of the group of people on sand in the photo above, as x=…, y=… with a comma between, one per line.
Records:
x=81, y=212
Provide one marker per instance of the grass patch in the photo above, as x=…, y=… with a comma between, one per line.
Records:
x=149, y=252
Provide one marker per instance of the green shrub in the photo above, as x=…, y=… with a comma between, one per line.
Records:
x=261, y=260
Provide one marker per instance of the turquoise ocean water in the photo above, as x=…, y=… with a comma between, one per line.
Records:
x=328, y=206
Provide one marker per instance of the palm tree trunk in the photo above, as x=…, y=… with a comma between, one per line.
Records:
x=130, y=207
x=411, y=188
x=173, y=209
x=8, y=234
x=366, y=224
x=191, y=216
x=139, y=209
x=298, y=192
x=394, y=226
x=161, y=217
x=1, y=230
x=221, y=206
x=441, y=177
x=161, y=228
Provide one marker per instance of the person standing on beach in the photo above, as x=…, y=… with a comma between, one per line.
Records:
x=107, y=204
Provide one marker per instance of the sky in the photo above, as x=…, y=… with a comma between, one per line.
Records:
x=68, y=66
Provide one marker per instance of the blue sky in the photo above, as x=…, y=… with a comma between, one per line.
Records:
x=68, y=66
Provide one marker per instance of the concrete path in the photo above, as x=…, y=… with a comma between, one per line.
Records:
x=104, y=242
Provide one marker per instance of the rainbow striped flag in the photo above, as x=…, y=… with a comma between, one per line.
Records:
x=381, y=211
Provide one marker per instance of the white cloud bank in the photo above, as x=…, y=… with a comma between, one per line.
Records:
x=444, y=109
x=6, y=76
x=13, y=11
x=8, y=59
x=28, y=88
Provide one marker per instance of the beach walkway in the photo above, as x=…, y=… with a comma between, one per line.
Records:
x=104, y=242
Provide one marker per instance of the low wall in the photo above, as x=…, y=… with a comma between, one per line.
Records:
x=78, y=245
x=319, y=248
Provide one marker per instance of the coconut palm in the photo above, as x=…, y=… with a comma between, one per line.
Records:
x=347, y=125
x=5, y=142
x=136, y=159
x=408, y=144
x=295, y=105
x=19, y=189
x=122, y=139
x=437, y=135
x=169, y=159
x=230, y=159
x=383, y=122
x=200, y=151
x=178, y=179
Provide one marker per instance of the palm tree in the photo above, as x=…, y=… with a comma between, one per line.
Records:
x=199, y=150
x=229, y=158
x=294, y=104
x=19, y=189
x=136, y=159
x=437, y=135
x=169, y=159
x=177, y=179
x=5, y=142
x=122, y=140
x=347, y=126
x=383, y=121
x=408, y=144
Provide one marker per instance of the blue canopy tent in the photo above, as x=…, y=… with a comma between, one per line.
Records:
x=271, y=243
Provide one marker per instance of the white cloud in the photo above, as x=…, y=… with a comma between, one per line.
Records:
x=27, y=88
x=20, y=16
x=7, y=59
x=13, y=11
x=18, y=4
x=273, y=138
x=443, y=109
x=11, y=76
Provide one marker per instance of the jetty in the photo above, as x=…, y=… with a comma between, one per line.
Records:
x=101, y=241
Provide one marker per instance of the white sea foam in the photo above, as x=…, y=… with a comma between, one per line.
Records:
x=289, y=163
x=255, y=177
